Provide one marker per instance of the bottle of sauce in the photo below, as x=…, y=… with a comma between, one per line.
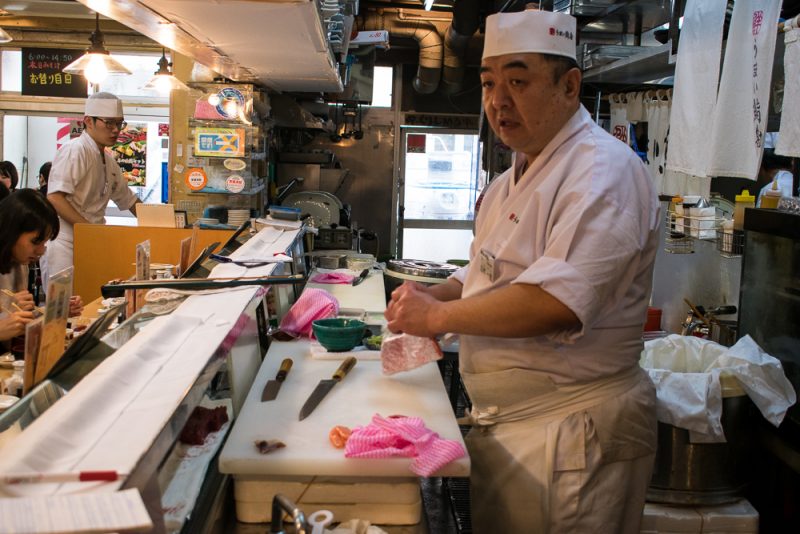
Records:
x=771, y=196
x=743, y=201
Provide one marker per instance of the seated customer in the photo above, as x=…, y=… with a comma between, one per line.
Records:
x=9, y=175
x=44, y=176
x=774, y=168
x=27, y=222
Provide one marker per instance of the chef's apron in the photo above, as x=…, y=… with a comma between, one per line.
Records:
x=560, y=458
x=58, y=254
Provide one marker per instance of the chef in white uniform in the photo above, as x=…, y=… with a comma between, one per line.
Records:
x=552, y=304
x=84, y=177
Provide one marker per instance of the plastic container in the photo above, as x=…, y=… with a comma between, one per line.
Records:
x=771, y=196
x=653, y=320
x=743, y=201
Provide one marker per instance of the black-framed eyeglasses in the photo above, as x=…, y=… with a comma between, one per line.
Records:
x=111, y=123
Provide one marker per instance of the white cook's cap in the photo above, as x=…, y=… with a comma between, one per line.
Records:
x=104, y=105
x=528, y=31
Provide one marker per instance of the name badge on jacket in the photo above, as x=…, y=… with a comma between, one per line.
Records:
x=487, y=264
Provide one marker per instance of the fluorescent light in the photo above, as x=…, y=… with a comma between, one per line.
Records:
x=428, y=5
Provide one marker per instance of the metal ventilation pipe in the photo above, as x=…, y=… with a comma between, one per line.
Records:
x=430, y=47
x=465, y=23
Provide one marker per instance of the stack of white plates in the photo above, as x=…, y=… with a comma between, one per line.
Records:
x=207, y=220
x=237, y=216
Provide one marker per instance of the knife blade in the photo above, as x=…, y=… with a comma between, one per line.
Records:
x=273, y=386
x=325, y=385
x=361, y=277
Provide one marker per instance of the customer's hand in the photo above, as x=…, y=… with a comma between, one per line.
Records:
x=75, y=306
x=24, y=300
x=13, y=325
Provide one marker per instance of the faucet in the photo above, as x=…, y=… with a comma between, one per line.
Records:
x=281, y=504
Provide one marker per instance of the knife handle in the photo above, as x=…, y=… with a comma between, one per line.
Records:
x=345, y=368
x=286, y=365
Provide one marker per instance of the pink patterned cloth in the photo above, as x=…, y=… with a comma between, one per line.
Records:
x=313, y=304
x=406, y=437
x=333, y=278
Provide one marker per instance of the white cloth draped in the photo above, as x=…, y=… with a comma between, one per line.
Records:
x=695, y=92
x=789, y=134
x=740, y=116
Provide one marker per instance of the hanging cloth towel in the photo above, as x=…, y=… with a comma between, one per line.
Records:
x=405, y=437
x=634, y=109
x=313, y=304
x=740, y=118
x=657, y=113
x=619, y=123
x=789, y=133
x=695, y=91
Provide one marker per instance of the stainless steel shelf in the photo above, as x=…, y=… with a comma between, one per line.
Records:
x=649, y=66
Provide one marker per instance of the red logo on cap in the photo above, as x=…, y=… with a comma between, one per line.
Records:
x=552, y=31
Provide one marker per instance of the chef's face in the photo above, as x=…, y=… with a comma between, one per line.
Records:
x=527, y=100
x=104, y=130
x=28, y=248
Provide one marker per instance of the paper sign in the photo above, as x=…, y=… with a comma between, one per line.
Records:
x=158, y=215
x=56, y=311
x=196, y=179
x=234, y=183
x=185, y=255
x=219, y=142
x=33, y=340
x=234, y=164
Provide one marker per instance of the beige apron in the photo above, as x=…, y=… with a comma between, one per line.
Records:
x=559, y=458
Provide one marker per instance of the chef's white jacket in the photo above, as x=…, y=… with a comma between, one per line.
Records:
x=581, y=222
x=88, y=179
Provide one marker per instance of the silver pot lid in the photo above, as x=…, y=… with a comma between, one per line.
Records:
x=430, y=269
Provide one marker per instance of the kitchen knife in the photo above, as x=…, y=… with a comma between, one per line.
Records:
x=361, y=277
x=325, y=386
x=273, y=386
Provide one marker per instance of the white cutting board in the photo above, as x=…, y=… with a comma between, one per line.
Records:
x=369, y=295
x=364, y=392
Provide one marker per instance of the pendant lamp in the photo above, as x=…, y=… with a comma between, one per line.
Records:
x=163, y=80
x=4, y=36
x=96, y=63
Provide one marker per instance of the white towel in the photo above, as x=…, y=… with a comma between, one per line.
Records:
x=740, y=118
x=635, y=107
x=789, y=138
x=657, y=113
x=620, y=127
x=696, y=79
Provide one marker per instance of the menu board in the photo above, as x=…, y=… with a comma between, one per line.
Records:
x=130, y=151
x=42, y=76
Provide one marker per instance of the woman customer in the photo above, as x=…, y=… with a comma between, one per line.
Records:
x=9, y=175
x=44, y=176
x=27, y=222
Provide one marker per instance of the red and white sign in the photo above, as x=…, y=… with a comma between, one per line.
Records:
x=234, y=183
x=196, y=179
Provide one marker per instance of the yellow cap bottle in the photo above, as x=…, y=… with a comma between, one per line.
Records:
x=743, y=200
x=771, y=197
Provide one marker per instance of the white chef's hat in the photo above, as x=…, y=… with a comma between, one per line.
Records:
x=531, y=30
x=104, y=105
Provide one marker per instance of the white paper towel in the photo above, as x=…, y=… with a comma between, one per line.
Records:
x=686, y=372
x=740, y=117
x=695, y=92
x=789, y=138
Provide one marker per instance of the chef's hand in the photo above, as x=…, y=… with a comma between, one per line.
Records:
x=410, y=309
x=13, y=324
x=75, y=306
x=24, y=300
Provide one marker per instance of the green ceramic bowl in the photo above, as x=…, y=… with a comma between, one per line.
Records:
x=338, y=334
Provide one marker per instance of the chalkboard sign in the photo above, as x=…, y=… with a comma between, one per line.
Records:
x=42, y=76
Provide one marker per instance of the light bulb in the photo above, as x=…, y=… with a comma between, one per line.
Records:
x=213, y=99
x=162, y=84
x=96, y=70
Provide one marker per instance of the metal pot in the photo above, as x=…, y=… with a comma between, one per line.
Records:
x=705, y=474
x=422, y=271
